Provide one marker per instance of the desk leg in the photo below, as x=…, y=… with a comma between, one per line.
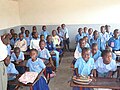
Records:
x=31, y=87
x=81, y=88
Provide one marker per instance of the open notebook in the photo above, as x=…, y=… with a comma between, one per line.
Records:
x=28, y=77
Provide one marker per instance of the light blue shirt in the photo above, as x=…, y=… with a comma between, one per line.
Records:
x=12, y=41
x=20, y=57
x=9, y=49
x=113, y=56
x=28, y=40
x=45, y=33
x=35, y=66
x=11, y=69
x=97, y=55
x=78, y=37
x=84, y=68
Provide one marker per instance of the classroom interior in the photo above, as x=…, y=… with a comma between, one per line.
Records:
x=52, y=13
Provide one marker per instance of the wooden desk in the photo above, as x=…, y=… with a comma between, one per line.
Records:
x=110, y=83
x=18, y=84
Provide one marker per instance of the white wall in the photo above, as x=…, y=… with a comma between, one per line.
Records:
x=69, y=11
x=9, y=14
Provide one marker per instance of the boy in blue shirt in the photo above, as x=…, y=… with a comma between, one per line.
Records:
x=84, y=65
x=13, y=40
x=95, y=53
x=114, y=42
x=37, y=65
x=85, y=33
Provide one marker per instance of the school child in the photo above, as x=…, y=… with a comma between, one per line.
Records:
x=55, y=38
x=86, y=41
x=52, y=49
x=85, y=33
x=11, y=72
x=95, y=53
x=60, y=34
x=13, y=40
x=84, y=66
x=105, y=65
x=21, y=43
x=114, y=42
x=113, y=54
x=96, y=39
x=42, y=38
x=90, y=34
x=17, y=57
x=27, y=38
x=107, y=28
x=34, y=29
x=44, y=31
x=34, y=43
x=104, y=38
x=65, y=34
x=6, y=41
x=37, y=65
x=22, y=29
x=79, y=48
x=79, y=35
x=12, y=31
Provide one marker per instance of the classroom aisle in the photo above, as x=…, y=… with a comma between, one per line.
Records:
x=64, y=73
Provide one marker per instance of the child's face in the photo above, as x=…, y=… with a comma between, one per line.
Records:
x=63, y=26
x=44, y=28
x=21, y=36
x=54, y=33
x=33, y=55
x=15, y=36
x=96, y=35
x=35, y=35
x=26, y=32
x=7, y=61
x=58, y=29
x=85, y=29
x=107, y=58
x=49, y=39
x=90, y=31
x=116, y=34
x=42, y=45
x=17, y=52
x=103, y=29
x=80, y=31
x=86, y=39
x=42, y=38
x=86, y=55
x=94, y=49
x=82, y=44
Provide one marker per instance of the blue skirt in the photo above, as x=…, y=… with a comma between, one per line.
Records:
x=41, y=84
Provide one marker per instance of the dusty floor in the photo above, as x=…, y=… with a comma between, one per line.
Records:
x=63, y=74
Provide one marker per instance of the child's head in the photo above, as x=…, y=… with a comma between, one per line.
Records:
x=102, y=28
x=80, y=31
x=35, y=35
x=34, y=29
x=12, y=31
x=85, y=29
x=94, y=48
x=27, y=32
x=21, y=36
x=33, y=54
x=63, y=26
x=85, y=38
x=17, y=51
x=22, y=29
x=44, y=28
x=116, y=33
x=54, y=32
x=6, y=41
x=90, y=30
x=96, y=34
x=15, y=35
x=49, y=38
x=86, y=53
x=7, y=60
x=42, y=44
x=108, y=48
x=107, y=28
x=42, y=37
x=107, y=56
x=82, y=43
x=58, y=29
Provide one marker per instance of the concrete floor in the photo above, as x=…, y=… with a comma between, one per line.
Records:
x=63, y=74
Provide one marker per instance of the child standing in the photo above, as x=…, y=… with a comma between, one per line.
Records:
x=36, y=65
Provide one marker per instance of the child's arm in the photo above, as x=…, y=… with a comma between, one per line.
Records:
x=41, y=72
x=76, y=71
x=110, y=74
x=94, y=72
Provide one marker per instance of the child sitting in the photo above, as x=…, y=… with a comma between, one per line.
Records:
x=84, y=66
x=34, y=43
x=95, y=53
x=52, y=49
x=27, y=38
x=13, y=40
x=21, y=43
x=90, y=34
x=105, y=65
x=17, y=56
x=55, y=38
x=42, y=38
x=86, y=41
x=36, y=65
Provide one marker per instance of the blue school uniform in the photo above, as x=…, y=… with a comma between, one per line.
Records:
x=11, y=69
x=84, y=68
x=85, y=34
x=114, y=43
x=9, y=49
x=20, y=69
x=50, y=47
x=45, y=33
x=96, y=41
x=13, y=41
x=113, y=56
x=97, y=55
x=28, y=40
x=89, y=38
x=38, y=66
x=78, y=37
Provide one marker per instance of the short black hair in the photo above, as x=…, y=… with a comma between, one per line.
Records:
x=42, y=41
x=81, y=40
x=85, y=49
x=116, y=30
x=104, y=52
x=16, y=48
x=33, y=50
x=94, y=44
